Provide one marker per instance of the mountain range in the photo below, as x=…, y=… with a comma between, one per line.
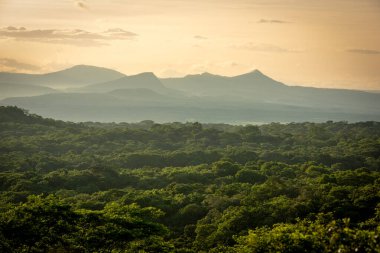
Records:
x=76, y=76
x=88, y=93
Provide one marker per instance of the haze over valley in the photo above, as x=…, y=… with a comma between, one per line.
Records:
x=89, y=93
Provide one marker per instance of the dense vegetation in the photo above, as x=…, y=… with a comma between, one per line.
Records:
x=187, y=187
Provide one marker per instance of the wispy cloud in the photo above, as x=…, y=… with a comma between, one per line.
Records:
x=268, y=48
x=8, y=64
x=363, y=51
x=74, y=37
x=200, y=37
x=81, y=4
x=272, y=21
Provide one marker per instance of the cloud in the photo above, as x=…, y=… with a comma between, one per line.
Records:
x=81, y=4
x=272, y=21
x=268, y=48
x=7, y=64
x=118, y=33
x=74, y=37
x=199, y=37
x=363, y=51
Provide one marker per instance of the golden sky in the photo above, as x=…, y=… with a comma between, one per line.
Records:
x=321, y=43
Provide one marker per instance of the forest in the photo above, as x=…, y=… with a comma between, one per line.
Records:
x=187, y=187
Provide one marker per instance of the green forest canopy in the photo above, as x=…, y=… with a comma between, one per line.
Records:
x=187, y=187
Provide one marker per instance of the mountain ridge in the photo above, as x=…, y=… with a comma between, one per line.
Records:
x=147, y=80
x=15, y=89
x=251, y=96
x=75, y=76
x=4, y=76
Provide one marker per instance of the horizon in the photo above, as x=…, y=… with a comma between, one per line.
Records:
x=202, y=73
x=329, y=44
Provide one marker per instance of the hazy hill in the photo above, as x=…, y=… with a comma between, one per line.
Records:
x=348, y=100
x=138, y=93
x=138, y=105
x=251, y=97
x=76, y=76
x=257, y=87
x=22, y=90
x=253, y=83
x=140, y=81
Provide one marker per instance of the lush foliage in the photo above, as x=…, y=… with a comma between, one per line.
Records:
x=106, y=187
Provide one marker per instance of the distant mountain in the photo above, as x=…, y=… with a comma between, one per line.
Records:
x=118, y=105
x=254, y=83
x=373, y=91
x=333, y=99
x=76, y=76
x=257, y=87
x=139, y=93
x=250, y=97
x=22, y=90
x=82, y=75
x=141, y=104
x=141, y=81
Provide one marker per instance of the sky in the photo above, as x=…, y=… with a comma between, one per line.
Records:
x=320, y=43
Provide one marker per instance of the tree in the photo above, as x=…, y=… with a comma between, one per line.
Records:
x=39, y=225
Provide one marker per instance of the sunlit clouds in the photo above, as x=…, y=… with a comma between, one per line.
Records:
x=314, y=43
x=76, y=37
